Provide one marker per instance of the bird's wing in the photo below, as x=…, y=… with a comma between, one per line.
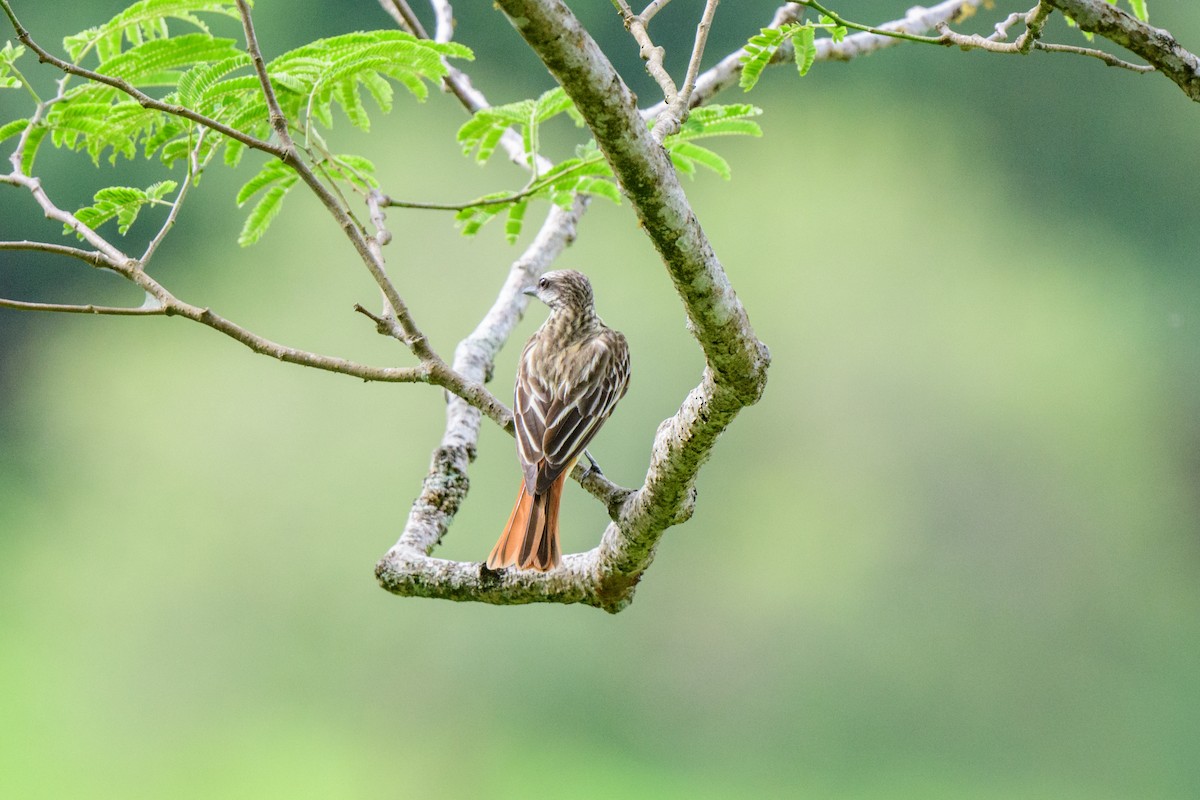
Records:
x=532, y=397
x=581, y=404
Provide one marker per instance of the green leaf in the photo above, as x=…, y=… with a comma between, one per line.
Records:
x=13, y=128
x=356, y=170
x=313, y=77
x=96, y=127
x=122, y=202
x=8, y=55
x=473, y=218
x=718, y=120
x=155, y=62
x=32, y=142
x=515, y=221
x=806, y=49
x=195, y=84
x=595, y=186
x=278, y=179
x=143, y=22
x=272, y=171
x=482, y=132
x=836, y=32
x=263, y=212
x=686, y=155
x=758, y=52
x=1139, y=10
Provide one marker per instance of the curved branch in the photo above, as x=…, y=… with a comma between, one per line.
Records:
x=445, y=487
x=606, y=576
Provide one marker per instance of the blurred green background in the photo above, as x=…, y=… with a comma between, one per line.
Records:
x=953, y=553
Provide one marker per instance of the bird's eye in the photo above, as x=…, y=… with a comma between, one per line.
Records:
x=543, y=283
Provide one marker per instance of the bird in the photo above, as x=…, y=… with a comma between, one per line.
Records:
x=571, y=374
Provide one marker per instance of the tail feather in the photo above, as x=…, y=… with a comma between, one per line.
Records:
x=530, y=539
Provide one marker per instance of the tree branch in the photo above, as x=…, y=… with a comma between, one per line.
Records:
x=1155, y=45
x=88, y=256
x=286, y=153
x=693, y=68
x=110, y=257
x=648, y=178
x=606, y=576
x=67, y=308
x=729, y=69
x=651, y=53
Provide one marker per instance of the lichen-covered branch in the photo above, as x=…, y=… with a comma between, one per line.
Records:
x=606, y=576
x=1155, y=45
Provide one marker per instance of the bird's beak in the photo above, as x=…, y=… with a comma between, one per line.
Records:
x=530, y=290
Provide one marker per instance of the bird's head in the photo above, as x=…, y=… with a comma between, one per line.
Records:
x=563, y=289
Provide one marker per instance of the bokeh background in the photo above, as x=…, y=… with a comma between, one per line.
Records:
x=953, y=553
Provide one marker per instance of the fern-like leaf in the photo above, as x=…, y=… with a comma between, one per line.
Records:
x=515, y=220
x=32, y=142
x=805, y=44
x=264, y=211
x=475, y=217
x=588, y=172
x=685, y=156
x=277, y=178
x=142, y=22
x=481, y=133
x=313, y=77
x=8, y=55
x=758, y=52
x=156, y=62
x=13, y=128
x=122, y=202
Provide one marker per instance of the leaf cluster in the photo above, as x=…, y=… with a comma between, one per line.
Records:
x=213, y=77
x=763, y=47
x=8, y=56
x=122, y=202
x=587, y=172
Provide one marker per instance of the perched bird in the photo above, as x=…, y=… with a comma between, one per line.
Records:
x=573, y=371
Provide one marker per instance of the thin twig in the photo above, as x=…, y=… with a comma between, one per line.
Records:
x=494, y=201
x=68, y=308
x=884, y=31
x=192, y=171
x=650, y=53
x=89, y=256
x=402, y=12
x=1003, y=26
x=665, y=126
x=1023, y=45
x=1107, y=58
x=111, y=255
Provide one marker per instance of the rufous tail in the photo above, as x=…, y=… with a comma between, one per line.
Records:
x=530, y=539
